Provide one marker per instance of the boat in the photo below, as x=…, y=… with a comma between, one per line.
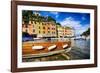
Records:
x=45, y=49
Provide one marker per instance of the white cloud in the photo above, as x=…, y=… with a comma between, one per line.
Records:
x=71, y=22
x=55, y=13
x=82, y=29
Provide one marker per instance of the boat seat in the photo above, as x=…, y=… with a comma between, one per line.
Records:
x=37, y=47
x=65, y=46
x=52, y=47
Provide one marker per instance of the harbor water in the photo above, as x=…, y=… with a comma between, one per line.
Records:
x=80, y=49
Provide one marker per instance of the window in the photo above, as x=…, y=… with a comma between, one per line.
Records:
x=23, y=25
x=31, y=22
x=43, y=27
x=48, y=31
x=53, y=32
x=33, y=30
x=43, y=31
x=39, y=32
x=26, y=31
x=35, y=22
x=26, y=26
x=45, y=24
x=39, y=27
x=48, y=28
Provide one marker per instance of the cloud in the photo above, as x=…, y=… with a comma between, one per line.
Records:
x=71, y=22
x=55, y=13
x=82, y=29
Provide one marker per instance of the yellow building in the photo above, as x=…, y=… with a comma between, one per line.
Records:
x=40, y=29
x=47, y=29
x=60, y=31
x=64, y=32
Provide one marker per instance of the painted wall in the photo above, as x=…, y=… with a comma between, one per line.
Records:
x=5, y=41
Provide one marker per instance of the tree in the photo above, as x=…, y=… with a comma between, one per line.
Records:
x=86, y=33
x=26, y=16
x=58, y=23
x=51, y=19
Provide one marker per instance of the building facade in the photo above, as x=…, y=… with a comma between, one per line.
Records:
x=60, y=31
x=40, y=29
x=46, y=29
x=68, y=32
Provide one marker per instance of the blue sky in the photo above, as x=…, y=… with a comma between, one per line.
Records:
x=79, y=21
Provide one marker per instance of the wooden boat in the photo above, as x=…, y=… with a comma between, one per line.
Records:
x=44, y=48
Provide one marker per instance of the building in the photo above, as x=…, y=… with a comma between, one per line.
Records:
x=40, y=29
x=68, y=32
x=52, y=29
x=46, y=29
x=64, y=31
x=60, y=31
x=29, y=28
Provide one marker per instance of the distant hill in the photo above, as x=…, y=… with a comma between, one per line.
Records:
x=86, y=33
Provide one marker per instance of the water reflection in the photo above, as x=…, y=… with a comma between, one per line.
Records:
x=81, y=48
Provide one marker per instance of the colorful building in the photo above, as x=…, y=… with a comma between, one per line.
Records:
x=40, y=29
x=46, y=29
x=60, y=31
x=68, y=32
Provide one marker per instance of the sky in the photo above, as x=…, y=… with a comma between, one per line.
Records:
x=79, y=21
